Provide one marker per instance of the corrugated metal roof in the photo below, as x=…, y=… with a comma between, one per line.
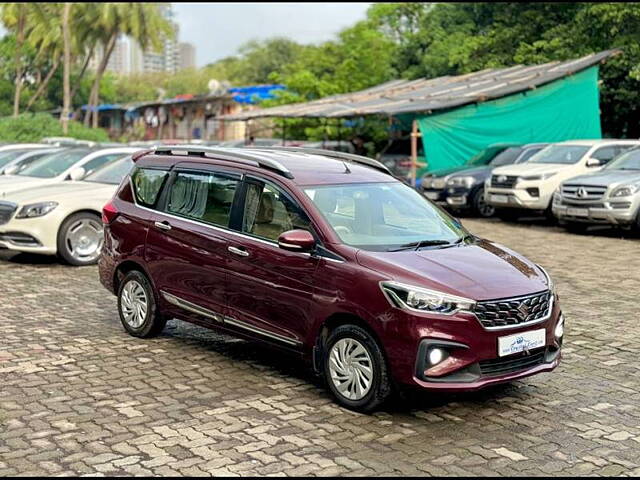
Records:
x=427, y=95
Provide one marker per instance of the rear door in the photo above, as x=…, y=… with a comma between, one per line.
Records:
x=186, y=249
x=270, y=290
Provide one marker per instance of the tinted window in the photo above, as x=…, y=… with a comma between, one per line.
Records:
x=98, y=162
x=112, y=173
x=605, y=154
x=506, y=157
x=203, y=196
x=530, y=152
x=6, y=157
x=54, y=164
x=268, y=212
x=147, y=184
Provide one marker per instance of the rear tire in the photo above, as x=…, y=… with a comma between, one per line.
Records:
x=480, y=206
x=355, y=369
x=137, y=306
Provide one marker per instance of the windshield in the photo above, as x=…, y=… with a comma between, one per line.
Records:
x=6, y=157
x=564, y=154
x=506, y=157
x=384, y=216
x=112, y=173
x=630, y=160
x=53, y=165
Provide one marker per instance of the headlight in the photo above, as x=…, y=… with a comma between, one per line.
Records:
x=36, y=209
x=537, y=177
x=420, y=299
x=552, y=287
x=461, y=181
x=625, y=191
x=438, y=183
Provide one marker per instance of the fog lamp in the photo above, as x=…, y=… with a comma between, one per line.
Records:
x=559, y=332
x=436, y=355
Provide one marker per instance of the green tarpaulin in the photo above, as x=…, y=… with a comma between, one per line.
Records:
x=563, y=110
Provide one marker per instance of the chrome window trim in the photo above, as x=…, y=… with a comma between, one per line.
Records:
x=225, y=320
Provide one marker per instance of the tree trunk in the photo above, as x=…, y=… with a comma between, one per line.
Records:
x=18, y=61
x=82, y=71
x=95, y=89
x=64, y=116
x=44, y=83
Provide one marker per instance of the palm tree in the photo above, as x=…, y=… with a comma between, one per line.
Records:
x=14, y=18
x=142, y=22
x=66, y=35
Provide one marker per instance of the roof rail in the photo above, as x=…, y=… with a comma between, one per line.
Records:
x=230, y=154
x=349, y=157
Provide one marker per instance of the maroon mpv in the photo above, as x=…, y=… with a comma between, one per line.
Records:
x=326, y=255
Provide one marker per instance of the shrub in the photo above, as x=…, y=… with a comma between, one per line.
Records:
x=32, y=127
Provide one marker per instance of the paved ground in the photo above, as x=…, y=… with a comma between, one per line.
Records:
x=79, y=396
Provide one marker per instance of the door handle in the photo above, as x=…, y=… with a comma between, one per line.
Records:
x=238, y=251
x=163, y=226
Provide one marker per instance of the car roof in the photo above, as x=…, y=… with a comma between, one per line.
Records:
x=603, y=141
x=301, y=165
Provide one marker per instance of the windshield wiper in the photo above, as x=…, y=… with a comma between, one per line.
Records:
x=420, y=244
x=463, y=238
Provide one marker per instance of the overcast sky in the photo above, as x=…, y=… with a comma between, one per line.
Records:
x=218, y=29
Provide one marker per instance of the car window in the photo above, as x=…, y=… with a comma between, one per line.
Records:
x=206, y=197
x=530, y=152
x=6, y=157
x=629, y=160
x=112, y=173
x=98, y=162
x=605, y=154
x=147, y=184
x=506, y=157
x=53, y=164
x=269, y=212
x=560, y=154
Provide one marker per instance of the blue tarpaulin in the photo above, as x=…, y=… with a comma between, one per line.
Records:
x=255, y=93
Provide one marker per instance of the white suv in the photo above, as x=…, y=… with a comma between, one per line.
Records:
x=531, y=185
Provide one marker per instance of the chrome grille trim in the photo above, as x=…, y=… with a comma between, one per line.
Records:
x=508, y=182
x=502, y=314
x=7, y=209
x=583, y=192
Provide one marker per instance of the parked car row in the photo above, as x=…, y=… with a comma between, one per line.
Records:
x=579, y=182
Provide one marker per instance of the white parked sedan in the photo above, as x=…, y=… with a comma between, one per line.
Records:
x=72, y=163
x=62, y=218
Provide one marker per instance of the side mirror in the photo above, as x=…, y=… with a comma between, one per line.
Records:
x=11, y=169
x=593, y=162
x=296, y=241
x=77, y=174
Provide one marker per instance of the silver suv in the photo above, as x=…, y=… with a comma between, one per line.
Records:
x=610, y=195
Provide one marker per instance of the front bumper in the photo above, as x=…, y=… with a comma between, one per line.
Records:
x=472, y=361
x=519, y=197
x=615, y=213
x=437, y=196
x=30, y=235
x=458, y=197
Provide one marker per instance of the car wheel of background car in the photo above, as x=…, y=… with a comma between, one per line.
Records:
x=355, y=369
x=548, y=214
x=480, y=206
x=137, y=306
x=80, y=239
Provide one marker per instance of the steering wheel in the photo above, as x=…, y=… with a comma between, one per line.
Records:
x=340, y=229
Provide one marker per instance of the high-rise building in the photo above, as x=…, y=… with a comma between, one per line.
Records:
x=118, y=61
x=187, y=54
x=166, y=59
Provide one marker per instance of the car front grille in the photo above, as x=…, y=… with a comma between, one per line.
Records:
x=511, y=312
x=503, y=181
x=512, y=363
x=583, y=192
x=7, y=210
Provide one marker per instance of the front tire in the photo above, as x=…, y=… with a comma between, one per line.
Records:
x=480, y=206
x=355, y=369
x=137, y=306
x=80, y=239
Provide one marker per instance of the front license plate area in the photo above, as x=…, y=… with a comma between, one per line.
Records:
x=520, y=342
x=578, y=212
x=432, y=195
x=500, y=198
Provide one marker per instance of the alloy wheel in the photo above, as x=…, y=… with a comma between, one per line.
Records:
x=351, y=368
x=84, y=239
x=134, y=304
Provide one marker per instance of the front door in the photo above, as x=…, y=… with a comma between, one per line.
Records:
x=270, y=290
x=186, y=249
